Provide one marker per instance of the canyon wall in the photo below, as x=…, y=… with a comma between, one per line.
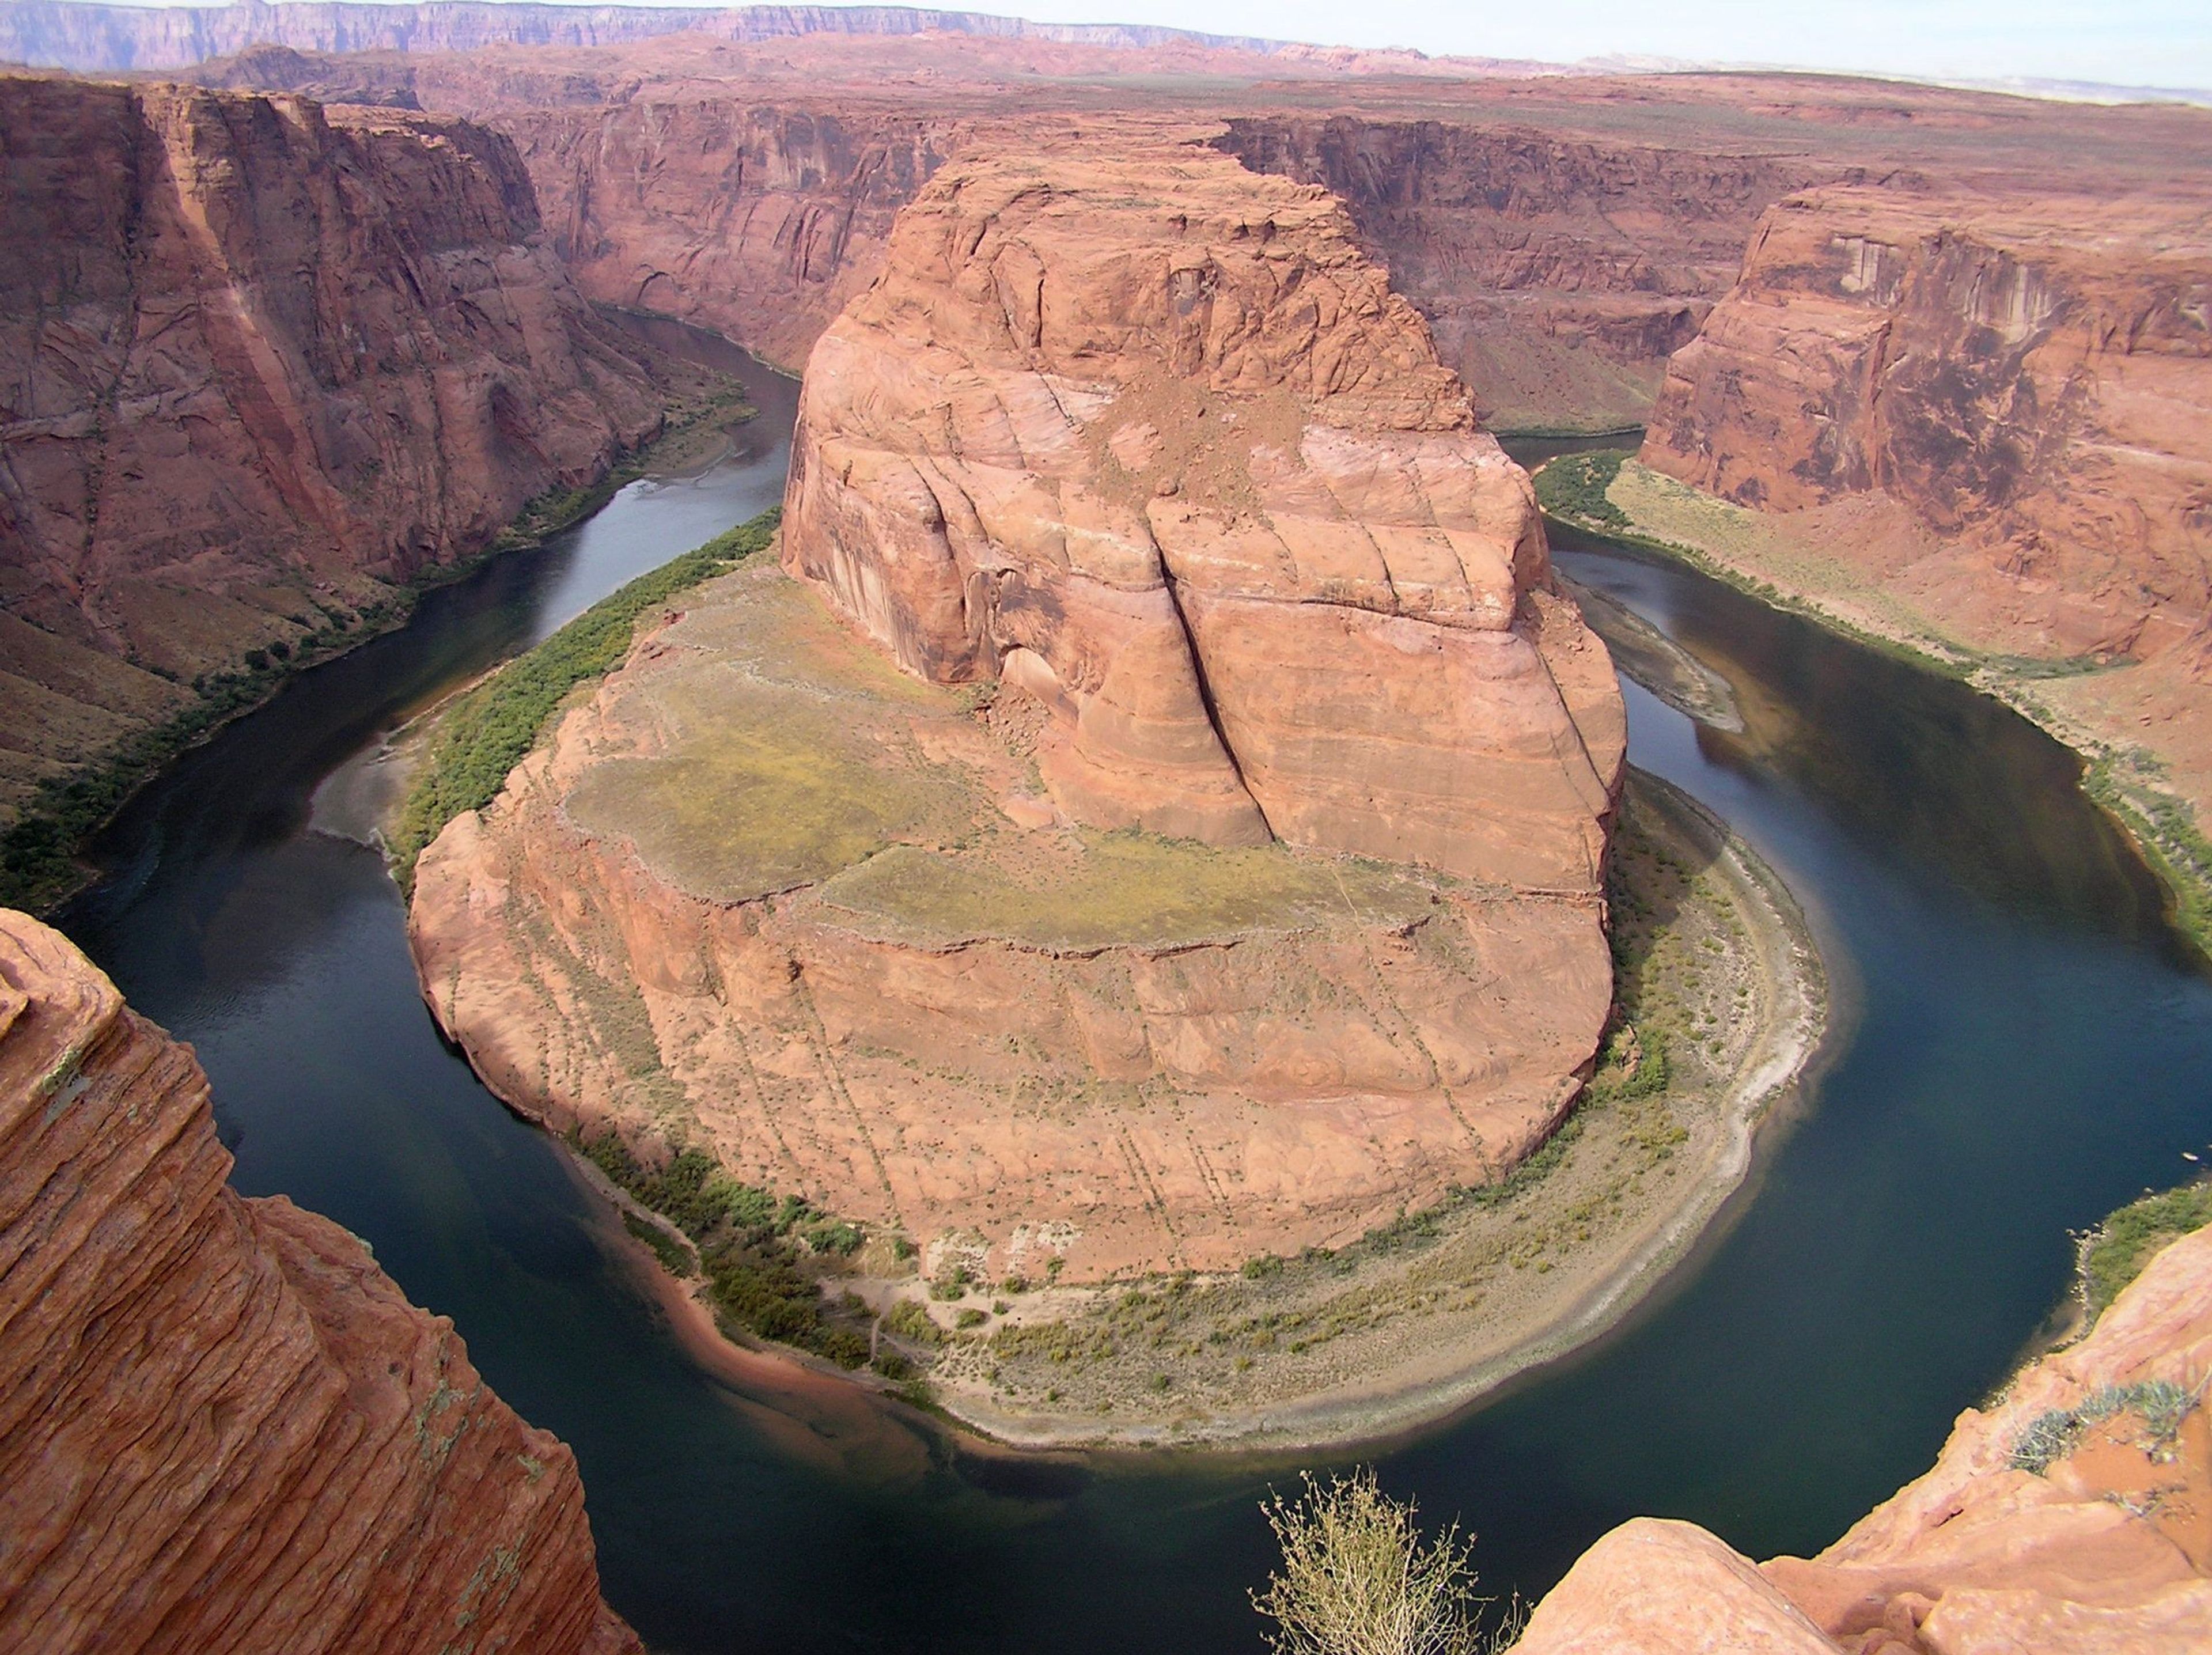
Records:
x=2029, y=376
x=1147, y=434
x=759, y=221
x=262, y=357
x=1559, y=272
x=222, y=1427
x=2074, y=1517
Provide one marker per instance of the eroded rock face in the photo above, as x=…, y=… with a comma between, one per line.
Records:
x=767, y=896
x=222, y=1427
x=1559, y=272
x=1148, y=435
x=256, y=353
x=761, y=222
x=2106, y=1552
x=2033, y=378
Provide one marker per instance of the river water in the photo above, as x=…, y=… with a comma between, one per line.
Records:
x=2023, y=1044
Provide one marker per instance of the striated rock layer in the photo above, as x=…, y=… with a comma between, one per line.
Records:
x=222, y=1427
x=1150, y=436
x=2106, y=1552
x=258, y=355
x=1048, y=952
x=2029, y=377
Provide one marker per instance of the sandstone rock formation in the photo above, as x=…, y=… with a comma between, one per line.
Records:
x=765, y=895
x=1149, y=435
x=2029, y=378
x=1559, y=271
x=1067, y=970
x=222, y=1427
x=2106, y=1551
x=259, y=357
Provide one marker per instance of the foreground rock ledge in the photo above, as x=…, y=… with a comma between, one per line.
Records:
x=222, y=1427
x=2107, y=1552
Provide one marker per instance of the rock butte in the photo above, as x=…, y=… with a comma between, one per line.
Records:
x=222, y=1427
x=257, y=353
x=1082, y=972
x=1149, y=436
x=2109, y=1553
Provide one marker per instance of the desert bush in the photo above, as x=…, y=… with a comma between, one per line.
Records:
x=1357, y=1579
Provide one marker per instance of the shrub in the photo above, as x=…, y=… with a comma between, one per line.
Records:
x=1573, y=486
x=1357, y=1579
x=2050, y=1437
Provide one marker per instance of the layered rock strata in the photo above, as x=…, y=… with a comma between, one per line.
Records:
x=1048, y=952
x=261, y=356
x=1148, y=435
x=222, y=1427
x=2106, y=1550
x=1559, y=271
x=765, y=895
x=2028, y=378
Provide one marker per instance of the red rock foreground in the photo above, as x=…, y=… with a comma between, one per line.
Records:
x=222, y=1427
x=1050, y=953
x=2106, y=1551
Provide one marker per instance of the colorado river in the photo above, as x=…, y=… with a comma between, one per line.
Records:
x=2021, y=1045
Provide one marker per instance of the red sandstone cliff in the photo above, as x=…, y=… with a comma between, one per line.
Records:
x=2107, y=1550
x=1148, y=435
x=259, y=356
x=222, y=1427
x=1559, y=271
x=2031, y=377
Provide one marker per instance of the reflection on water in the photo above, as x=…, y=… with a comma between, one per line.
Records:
x=2027, y=1052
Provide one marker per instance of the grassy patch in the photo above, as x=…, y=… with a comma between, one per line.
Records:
x=1573, y=486
x=486, y=733
x=1122, y=888
x=750, y=1246
x=2165, y=830
x=2117, y=1250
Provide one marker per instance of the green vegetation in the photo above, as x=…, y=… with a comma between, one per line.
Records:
x=2116, y=1252
x=1125, y=887
x=485, y=734
x=2160, y=1404
x=2165, y=830
x=748, y=1243
x=1574, y=486
x=38, y=852
x=1357, y=1579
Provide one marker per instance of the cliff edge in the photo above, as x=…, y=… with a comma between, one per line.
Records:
x=222, y=1427
x=2072, y=1518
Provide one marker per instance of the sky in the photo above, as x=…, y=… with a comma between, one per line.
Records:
x=2165, y=43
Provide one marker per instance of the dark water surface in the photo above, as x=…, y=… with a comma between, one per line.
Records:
x=2028, y=1046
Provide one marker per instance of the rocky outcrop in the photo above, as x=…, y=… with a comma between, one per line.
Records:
x=1559, y=272
x=222, y=1427
x=1146, y=435
x=2030, y=377
x=261, y=356
x=767, y=896
x=2073, y=1517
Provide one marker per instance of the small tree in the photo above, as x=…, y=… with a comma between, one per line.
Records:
x=1356, y=1578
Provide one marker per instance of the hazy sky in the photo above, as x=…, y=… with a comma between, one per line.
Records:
x=2132, y=42
x=2127, y=42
